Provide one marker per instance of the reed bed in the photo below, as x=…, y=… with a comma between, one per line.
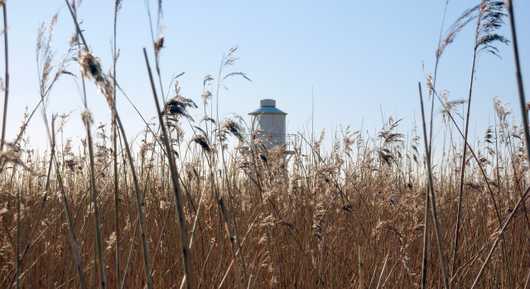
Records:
x=204, y=204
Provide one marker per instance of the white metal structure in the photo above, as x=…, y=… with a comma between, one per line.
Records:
x=269, y=124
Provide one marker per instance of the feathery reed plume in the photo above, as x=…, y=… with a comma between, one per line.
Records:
x=234, y=128
x=490, y=14
x=449, y=107
x=178, y=106
x=90, y=66
x=202, y=140
x=13, y=155
x=389, y=139
x=49, y=72
x=159, y=44
x=228, y=59
x=206, y=96
x=465, y=18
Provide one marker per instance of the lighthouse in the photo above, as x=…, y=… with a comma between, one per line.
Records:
x=269, y=124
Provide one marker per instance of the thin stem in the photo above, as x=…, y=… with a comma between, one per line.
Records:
x=181, y=220
x=6, y=75
x=115, y=148
x=443, y=262
x=519, y=77
x=426, y=233
x=464, y=153
x=17, y=245
x=93, y=195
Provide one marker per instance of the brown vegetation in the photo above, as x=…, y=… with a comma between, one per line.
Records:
x=210, y=207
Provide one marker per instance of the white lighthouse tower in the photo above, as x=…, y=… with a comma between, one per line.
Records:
x=269, y=124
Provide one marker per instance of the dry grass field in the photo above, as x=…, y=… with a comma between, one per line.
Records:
x=202, y=204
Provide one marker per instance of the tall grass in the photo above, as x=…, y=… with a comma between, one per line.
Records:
x=211, y=207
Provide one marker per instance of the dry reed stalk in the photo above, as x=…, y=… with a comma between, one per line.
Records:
x=424, y=276
x=519, y=76
x=426, y=243
x=117, y=229
x=382, y=272
x=225, y=275
x=196, y=220
x=74, y=244
x=17, y=242
x=464, y=154
x=95, y=71
x=360, y=279
x=6, y=75
x=87, y=120
x=181, y=220
x=139, y=201
x=231, y=127
x=434, y=213
x=128, y=261
x=527, y=283
x=520, y=85
x=488, y=20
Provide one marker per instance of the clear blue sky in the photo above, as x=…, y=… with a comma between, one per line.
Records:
x=363, y=58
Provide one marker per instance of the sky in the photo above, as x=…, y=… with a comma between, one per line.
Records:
x=360, y=60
